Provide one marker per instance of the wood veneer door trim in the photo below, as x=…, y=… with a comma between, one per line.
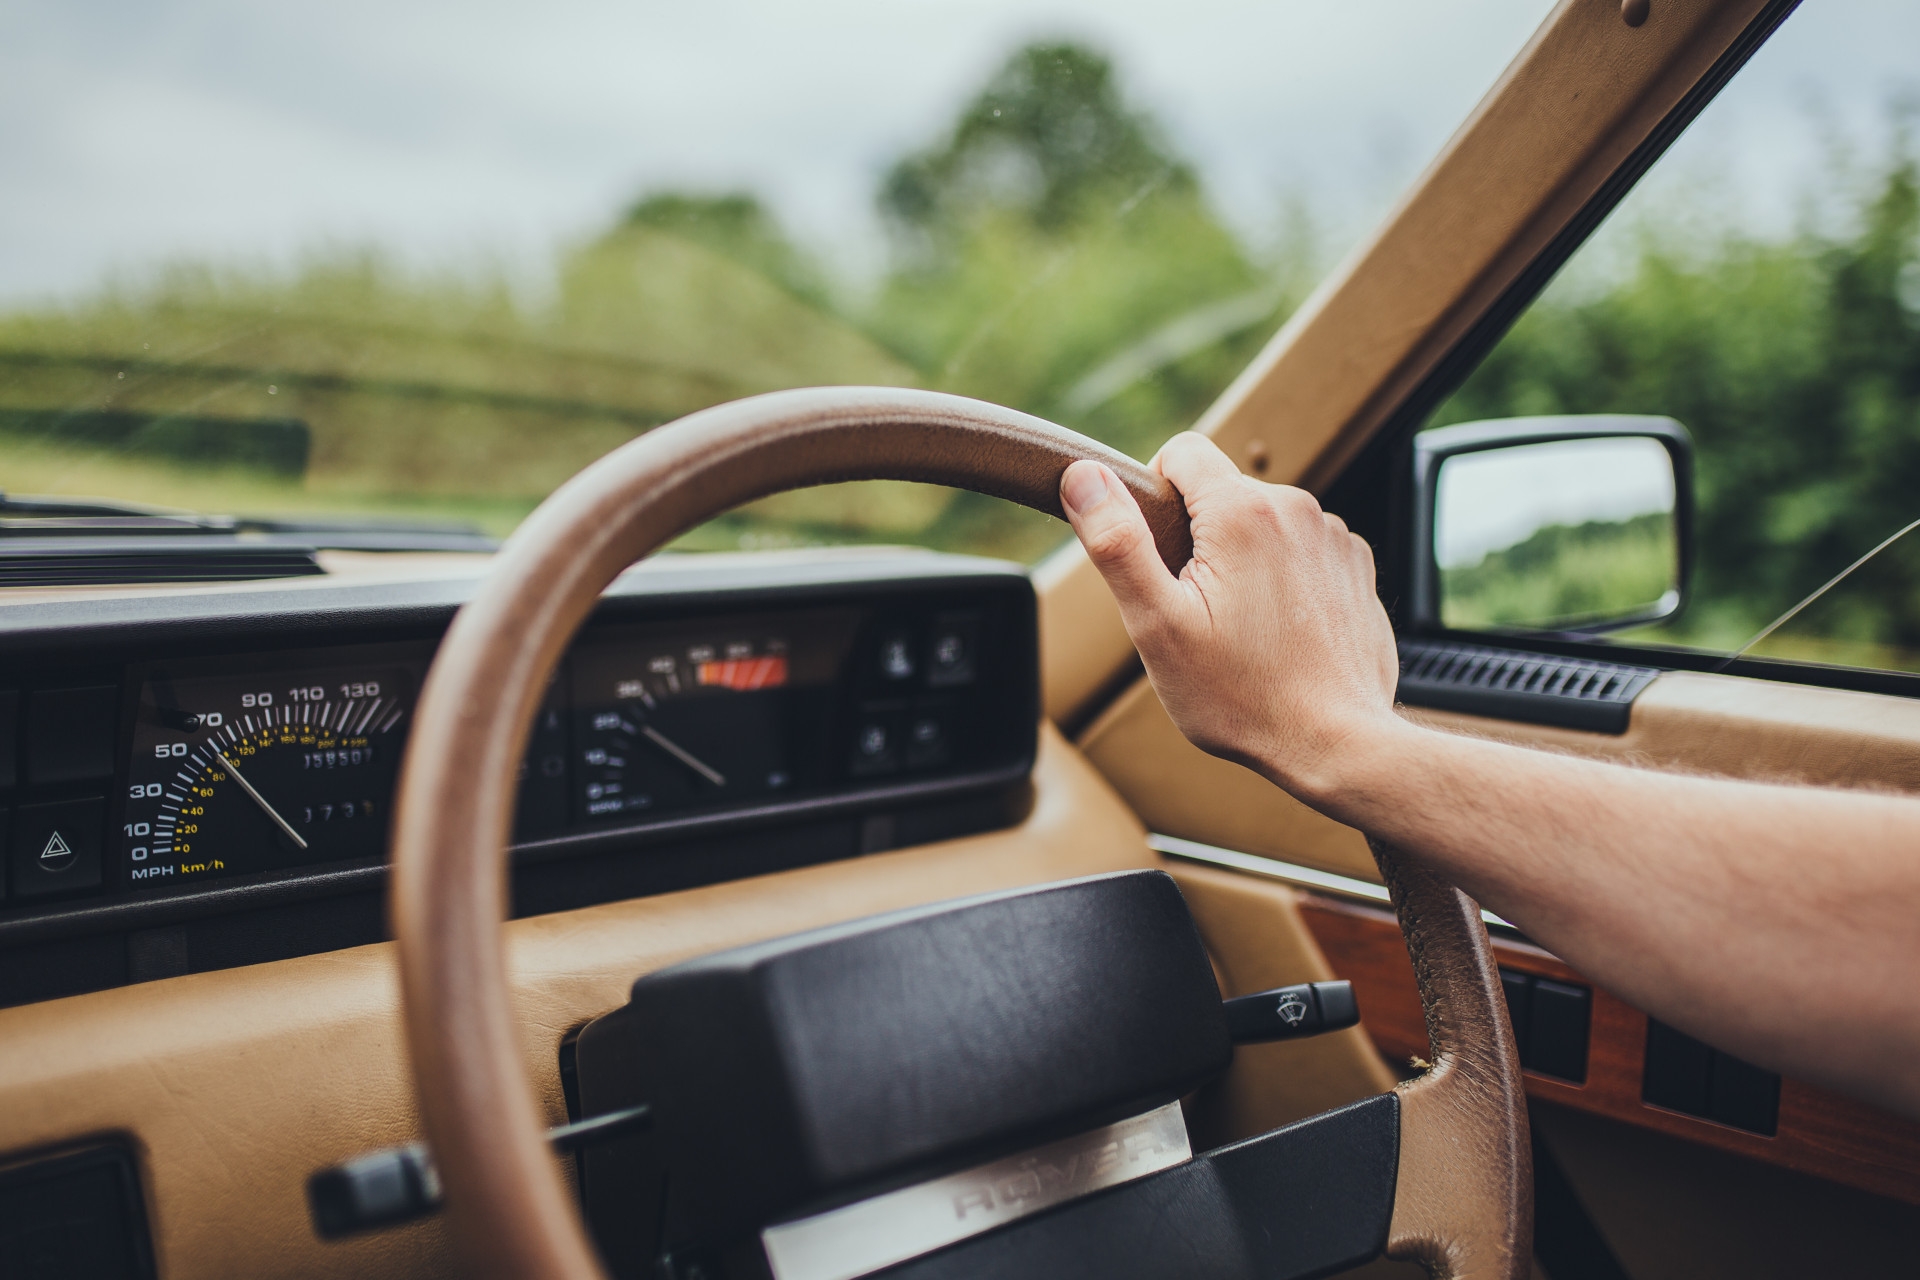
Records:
x=1820, y=1133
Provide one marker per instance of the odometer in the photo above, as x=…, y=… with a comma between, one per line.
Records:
x=238, y=774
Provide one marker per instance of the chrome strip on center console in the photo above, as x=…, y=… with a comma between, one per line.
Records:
x=862, y=1238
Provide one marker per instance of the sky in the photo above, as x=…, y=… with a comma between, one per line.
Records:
x=454, y=132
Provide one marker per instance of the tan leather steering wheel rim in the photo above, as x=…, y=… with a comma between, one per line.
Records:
x=1463, y=1128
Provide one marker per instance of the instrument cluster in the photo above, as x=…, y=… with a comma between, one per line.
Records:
x=240, y=766
x=201, y=781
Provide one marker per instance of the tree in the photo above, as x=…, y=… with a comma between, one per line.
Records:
x=1796, y=365
x=1049, y=140
x=737, y=226
x=1050, y=231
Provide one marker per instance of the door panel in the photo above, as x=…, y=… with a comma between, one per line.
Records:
x=1819, y=1132
x=1675, y=1210
x=1727, y=725
x=1683, y=721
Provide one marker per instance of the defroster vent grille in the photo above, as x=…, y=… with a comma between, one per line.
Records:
x=1574, y=693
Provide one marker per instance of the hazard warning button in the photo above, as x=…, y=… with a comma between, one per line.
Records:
x=56, y=847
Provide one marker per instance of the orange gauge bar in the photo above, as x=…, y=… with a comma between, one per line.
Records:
x=743, y=674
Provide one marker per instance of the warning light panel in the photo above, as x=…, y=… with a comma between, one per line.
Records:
x=744, y=674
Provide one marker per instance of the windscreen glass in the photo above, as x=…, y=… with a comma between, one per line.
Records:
x=422, y=261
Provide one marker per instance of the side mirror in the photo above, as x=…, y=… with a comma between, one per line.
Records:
x=1574, y=524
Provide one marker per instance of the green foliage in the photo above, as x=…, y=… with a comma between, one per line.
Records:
x=1796, y=365
x=737, y=226
x=1022, y=316
x=436, y=394
x=1049, y=141
x=1052, y=253
x=1562, y=575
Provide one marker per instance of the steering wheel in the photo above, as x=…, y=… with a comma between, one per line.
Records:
x=1463, y=1191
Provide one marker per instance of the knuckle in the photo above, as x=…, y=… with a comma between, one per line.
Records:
x=1176, y=451
x=1286, y=511
x=1295, y=501
x=1188, y=443
x=1114, y=542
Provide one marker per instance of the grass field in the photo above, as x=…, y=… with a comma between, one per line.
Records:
x=1563, y=575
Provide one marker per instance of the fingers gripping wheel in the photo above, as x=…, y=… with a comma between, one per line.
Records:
x=509, y=1211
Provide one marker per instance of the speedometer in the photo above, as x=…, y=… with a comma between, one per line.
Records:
x=237, y=774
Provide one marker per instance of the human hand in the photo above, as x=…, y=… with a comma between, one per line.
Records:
x=1271, y=647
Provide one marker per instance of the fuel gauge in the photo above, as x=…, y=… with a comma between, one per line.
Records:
x=667, y=722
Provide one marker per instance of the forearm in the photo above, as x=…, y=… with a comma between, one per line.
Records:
x=1781, y=923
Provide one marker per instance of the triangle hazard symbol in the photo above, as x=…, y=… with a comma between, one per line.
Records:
x=56, y=854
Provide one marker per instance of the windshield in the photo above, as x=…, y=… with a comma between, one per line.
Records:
x=427, y=260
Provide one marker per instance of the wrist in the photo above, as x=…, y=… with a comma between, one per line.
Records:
x=1343, y=778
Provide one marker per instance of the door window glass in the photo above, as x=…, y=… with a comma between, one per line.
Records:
x=1762, y=286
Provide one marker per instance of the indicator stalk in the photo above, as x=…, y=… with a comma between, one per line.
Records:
x=399, y=1184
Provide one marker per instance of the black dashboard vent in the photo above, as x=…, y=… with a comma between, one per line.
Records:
x=1510, y=684
x=79, y=1216
x=67, y=562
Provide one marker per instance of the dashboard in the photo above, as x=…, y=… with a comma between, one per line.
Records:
x=197, y=782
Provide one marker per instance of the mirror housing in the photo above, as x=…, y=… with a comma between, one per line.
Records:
x=1585, y=436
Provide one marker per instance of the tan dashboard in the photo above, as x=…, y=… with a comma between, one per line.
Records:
x=235, y=1085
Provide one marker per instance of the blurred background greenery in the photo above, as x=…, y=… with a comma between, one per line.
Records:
x=1795, y=363
x=1049, y=249
x=1561, y=575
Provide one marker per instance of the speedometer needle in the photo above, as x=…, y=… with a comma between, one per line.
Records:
x=259, y=799
x=678, y=752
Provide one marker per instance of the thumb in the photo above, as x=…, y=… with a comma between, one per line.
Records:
x=1108, y=520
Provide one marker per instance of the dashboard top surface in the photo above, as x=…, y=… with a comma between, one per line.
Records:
x=44, y=623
